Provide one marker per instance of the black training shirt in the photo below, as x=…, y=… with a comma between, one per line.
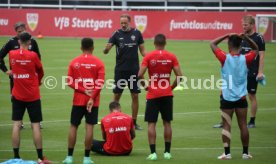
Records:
x=127, y=44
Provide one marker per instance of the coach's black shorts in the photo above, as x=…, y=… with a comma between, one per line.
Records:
x=164, y=105
x=33, y=108
x=241, y=103
x=78, y=112
x=252, y=84
x=123, y=78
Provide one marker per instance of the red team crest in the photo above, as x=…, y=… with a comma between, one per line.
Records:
x=32, y=20
x=153, y=62
x=77, y=65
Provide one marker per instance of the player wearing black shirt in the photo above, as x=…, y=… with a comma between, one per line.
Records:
x=127, y=40
x=256, y=68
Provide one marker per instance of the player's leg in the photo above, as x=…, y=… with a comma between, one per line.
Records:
x=151, y=116
x=91, y=119
x=77, y=114
x=18, y=110
x=98, y=147
x=120, y=84
x=134, y=90
x=34, y=111
x=227, y=110
x=252, y=85
x=166, y=110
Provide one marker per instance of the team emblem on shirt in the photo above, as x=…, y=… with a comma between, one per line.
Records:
x=153, y=62
x=77, y=65
x=141, y=22
x=12, y=62
x=133, y=37
x=32, y=20
x=111, y=130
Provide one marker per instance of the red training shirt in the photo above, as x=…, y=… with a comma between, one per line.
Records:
x=27, y=73
x=221, y=55
x=86, y=72
x=117, y=126
x=160, y=64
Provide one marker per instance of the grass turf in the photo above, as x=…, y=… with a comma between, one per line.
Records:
x=195, y=110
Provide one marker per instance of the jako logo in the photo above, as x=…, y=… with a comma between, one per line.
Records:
x=32, y=20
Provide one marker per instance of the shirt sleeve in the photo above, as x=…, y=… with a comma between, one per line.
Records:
x=140, y=39
x=112, y=39
x=99, y=82
x=221, y=56
x=250, y=56
x=145, y=61
x=175, y=61
x=39, y=68
x=261, y=43
x=3, y=53
x=35, y=48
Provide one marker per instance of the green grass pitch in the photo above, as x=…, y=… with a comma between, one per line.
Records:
x=195, y=110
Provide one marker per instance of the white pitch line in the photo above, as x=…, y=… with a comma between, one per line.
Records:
x=183, y=113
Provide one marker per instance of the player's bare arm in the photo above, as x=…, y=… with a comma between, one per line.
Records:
x=252, y=44
x=132, y=133
x=141, y=73
x=107, y=48
x=142, y=50
x=90, y=105
x=178, y=75
x=103, y=135
x=214, y=43
x=261, y=65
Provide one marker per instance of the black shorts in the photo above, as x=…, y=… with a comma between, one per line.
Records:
x=252, y=84
x=162, y=104
x=33, y=108
x=241, y=103
x=78, y=112
x=123, y=78
x=98, y=147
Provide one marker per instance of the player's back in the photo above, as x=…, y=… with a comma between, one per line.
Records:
x=117, y=127
x=25, y=65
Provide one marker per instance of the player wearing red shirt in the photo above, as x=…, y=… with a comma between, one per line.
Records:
x=118, y=131
x=27, y=73
x=86, y=76
x=160, y=64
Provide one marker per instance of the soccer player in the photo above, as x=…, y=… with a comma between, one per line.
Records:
x=13, y=44
x=160, y=64
x=127, y=41
x=86, y=76
x=234, y=68
x=256, y=68
x=27, y=73
x=118, y=131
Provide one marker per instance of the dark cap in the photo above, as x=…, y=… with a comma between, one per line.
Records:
x=25, y=36
x=19, y=24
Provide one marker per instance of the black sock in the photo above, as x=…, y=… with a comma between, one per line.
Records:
x=167, y=147
x=226, y=150
x=245, y=150
x=152, y=148
x=16, y=153
x=134, y=121
x=70, y=151
x=252, y=120
x=87, y=153
x=39, y=153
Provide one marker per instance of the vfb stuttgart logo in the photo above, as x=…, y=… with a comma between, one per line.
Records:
x=32, y=20
x=141, y=22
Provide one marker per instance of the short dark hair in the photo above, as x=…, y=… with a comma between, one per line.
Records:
x=114, y=105
x=25, y=37
x=87, y=43
x=19, y=24
x=126, y=16
x=234, y=41
x=160, y=40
